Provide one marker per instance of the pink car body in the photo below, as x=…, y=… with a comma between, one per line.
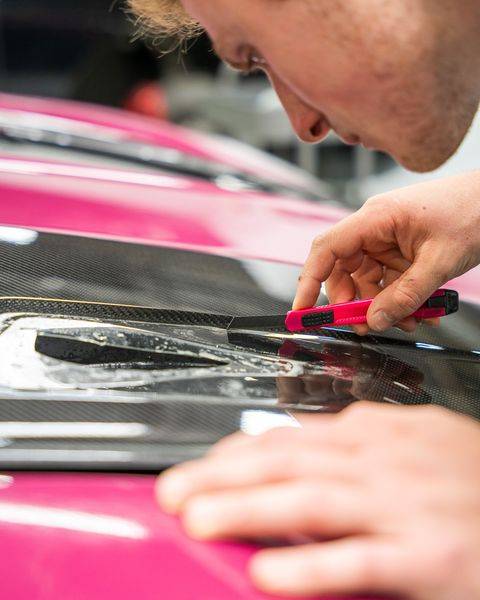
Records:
x=97, y=536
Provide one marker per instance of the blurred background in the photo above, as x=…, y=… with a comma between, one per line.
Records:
x=88, y=51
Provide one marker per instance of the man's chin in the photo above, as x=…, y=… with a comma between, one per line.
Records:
x=419, y=165
x=424, y=161
x=430, y=151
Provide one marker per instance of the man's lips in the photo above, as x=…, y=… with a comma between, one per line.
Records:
x=323, y=128
x=352, y=139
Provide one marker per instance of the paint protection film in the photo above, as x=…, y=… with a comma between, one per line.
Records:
x=97, y=393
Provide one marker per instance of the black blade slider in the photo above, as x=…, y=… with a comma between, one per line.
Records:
x=449, y=301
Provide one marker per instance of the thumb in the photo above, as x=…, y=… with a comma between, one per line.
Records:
x=405, y=295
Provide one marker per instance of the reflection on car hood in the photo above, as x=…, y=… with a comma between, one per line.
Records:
x=69, y=130
x=78, y=392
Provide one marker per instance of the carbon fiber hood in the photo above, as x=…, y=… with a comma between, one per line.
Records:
x=89, y=393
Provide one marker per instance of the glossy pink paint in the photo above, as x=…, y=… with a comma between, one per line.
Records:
x=72, y=537
x=158, y=209
x=155, y=131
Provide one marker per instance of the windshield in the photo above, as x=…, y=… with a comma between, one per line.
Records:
x=96, y=393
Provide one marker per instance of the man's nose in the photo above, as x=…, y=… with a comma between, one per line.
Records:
x=309, y=124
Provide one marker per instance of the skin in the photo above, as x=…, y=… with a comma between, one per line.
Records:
x=402, y=77
x=392, y=492
x=393, y=517
x=398, y=248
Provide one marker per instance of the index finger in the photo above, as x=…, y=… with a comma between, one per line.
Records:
x=342, y=241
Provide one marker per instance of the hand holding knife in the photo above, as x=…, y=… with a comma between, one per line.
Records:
x=442, y=303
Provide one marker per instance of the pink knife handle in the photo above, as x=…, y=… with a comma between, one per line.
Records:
x=355, y=312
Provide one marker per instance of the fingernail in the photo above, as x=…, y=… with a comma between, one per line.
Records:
x=296, y=305
x=380, y=321
x=201, y=518
x=172, y=489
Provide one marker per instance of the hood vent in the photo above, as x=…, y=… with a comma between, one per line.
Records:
x=103, y=355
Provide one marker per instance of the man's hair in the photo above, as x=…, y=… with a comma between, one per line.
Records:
x=164, y=17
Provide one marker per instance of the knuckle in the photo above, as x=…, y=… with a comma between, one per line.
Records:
x=319, y=241
x=358, y=411
x=365, y=569
x=307, y=274
x=406, y=295
x=277, y=465
x=294, y=463
x=310, y=495
x=276, y=437
x=376, y=201
x=228, y=441
x=434, y=413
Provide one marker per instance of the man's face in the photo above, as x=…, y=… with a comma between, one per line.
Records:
x=391, y=75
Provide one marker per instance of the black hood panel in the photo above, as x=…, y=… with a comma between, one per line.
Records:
x=77, y=393
x=77, y=268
